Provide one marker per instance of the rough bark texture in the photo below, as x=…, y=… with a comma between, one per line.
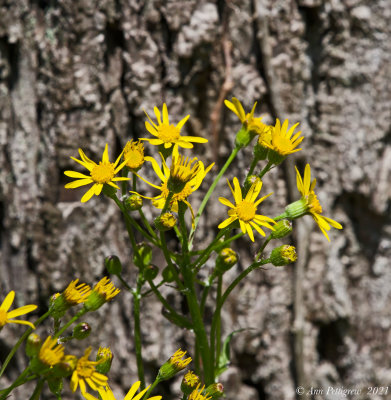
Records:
x=79, y=73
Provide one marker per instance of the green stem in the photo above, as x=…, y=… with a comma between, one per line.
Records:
x=222, y=300
x=280, y=217
x=149, y=391
x=137, y=332
x=269, y=238
x=167, y=305
x=205, y=293
x=38, y=389
x=20, y=341
x=19, y=381
x=265, y=170
x=218, y=324
x=210, y=191
x=147, y=224
x=252, y=167
x=70, y=322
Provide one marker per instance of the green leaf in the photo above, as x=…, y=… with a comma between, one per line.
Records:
x=225, y=357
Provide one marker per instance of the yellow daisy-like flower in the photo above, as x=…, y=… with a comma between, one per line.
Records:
x=103, y=292
x=100, y=174
x=176, y=359
x=282, y=141
x=196, y=394
x=245, y=210
x=85, y=372
x=6, y=317
x=107, y=394
x=306, y=188
x=182, y=174
x=134, y=155
x=51, y=352
x=168, y=134
x=75, y=294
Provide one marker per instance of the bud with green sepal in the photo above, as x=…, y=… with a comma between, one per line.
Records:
x=189, y=382
x=33, y=345
x=226, y=259
x=56, y=386
x=105, y=358
x=214, y=391
x=81, y=331
x=165, y=222
x=283, y=255
x=282, y=229
x=113, y=265
x=133, y=202
x=173, y=365
x=150, y=272
x=297, y=209
x=168, y=274
x=65, y=367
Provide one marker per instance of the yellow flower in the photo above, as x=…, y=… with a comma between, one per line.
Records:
x=134, y=155
x=173, y=365
x=191, y=177
x=103, y=292
x=107, y=394
x=85, y=372
x=75, y=294
x=100, y=174
x=196, y=394
x=313, y=207
x=6, y=317
x=169, y=134
x=51, y=352
x=236, y=107
x=245, y=210
x=281, y=141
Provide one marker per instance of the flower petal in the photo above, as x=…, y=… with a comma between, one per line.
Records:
x=87, y=196
x=75, y=174
x=237, y=191
x=132, y=391
x=78, y=183
x=226, y=222
x=182, y=122
x=6, y=304
x=226, y=202
x=21, y=311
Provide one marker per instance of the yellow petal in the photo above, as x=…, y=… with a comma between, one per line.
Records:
x=78, y=183
x=6, y=304
x=21, y=310
x=87, y=196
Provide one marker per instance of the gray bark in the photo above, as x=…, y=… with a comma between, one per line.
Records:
x=79, y=73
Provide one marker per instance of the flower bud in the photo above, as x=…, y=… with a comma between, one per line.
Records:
x=105, y=357
x=33, y=344
x=214, y=391
x=133, y=202
x=250, y=180
x=81, y=331
x=103, y=292
x=283, y=255
x=113, y=265
x=150, y=272
x=244, y=137
x=226, y=259
x=282, y=229
x=296, y=209
x=189, y=382
x=165, y=222
x=173, y=365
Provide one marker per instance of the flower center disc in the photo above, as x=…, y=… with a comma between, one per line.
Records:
x=3, y=317
x=168, y=133
x=246, y=211
x=103, y=173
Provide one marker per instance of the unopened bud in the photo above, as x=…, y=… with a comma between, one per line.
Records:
x=81, y=330
x=226, y=259
x=165, y=222
x=113, y=265
x=282, y=229
x=105, y=357
x=150, y=272
x=283, y=255
x=33, y=344
x=189, y=382
x=214, y=391
x=134, y=202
